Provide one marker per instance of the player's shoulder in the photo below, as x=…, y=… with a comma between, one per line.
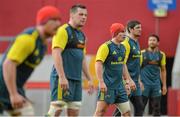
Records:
x=63, y=27
x=30, y=34
x=143, y=50
x=25, y=38
x=126, y=39
x=125, y=43
x=163, y=53
x=108, y=42
x=105, y=45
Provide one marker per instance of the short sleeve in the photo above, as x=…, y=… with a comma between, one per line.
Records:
x=163, y=60
x=127, y=47
x=21, y=48
x=102, y=53
x=60, y=39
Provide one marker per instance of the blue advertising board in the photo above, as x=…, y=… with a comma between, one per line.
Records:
x=164, y=4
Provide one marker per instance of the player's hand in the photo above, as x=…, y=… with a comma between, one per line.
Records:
x=17, y=101
x=102, y=86
x=91, y=87
x=128, y=89
x=132, y=85
x=141, y=85
x=64, y=83
x=164, y=90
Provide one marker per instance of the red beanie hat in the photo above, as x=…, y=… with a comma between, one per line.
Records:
x=116, y=28
x=46, y=13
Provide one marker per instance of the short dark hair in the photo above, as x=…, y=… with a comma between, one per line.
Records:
x=131, y=24
x=156, y=36
x=75, y=7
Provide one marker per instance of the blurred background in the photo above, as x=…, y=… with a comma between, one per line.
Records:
x=157, y=16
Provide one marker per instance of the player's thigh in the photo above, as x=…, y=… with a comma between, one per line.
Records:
x=78, y=91
x=101, y=106
x=120, y=95
x=156, y=91
x=108, y=96
x=138, y=91
x=54, y=88
x=146, y=91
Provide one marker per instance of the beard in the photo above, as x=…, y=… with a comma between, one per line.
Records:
x=50, y=33
x=152, y=47
x=80, y=26
x=137, y=35
x=47, y=34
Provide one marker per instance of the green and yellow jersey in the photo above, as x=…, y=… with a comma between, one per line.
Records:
x=151, y=63
x=28, y=49
x=113, y=58
x=132, y=57
x=72, y=41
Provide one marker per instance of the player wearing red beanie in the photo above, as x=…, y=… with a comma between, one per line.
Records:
x=110, y=66
x=46, y=13
x=116, y=28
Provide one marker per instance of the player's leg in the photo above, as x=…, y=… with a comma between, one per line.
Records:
x=56, y=108
x=117, y=113
x=138, y=105
x=1, y=109
x=145, y=100
x=100, y=108
x=74, y=103
x=124, y=108
x=122, y=102
x=145, y=95
x=156, y=100
x=57, y=103
x=73, y=108
x=137, y=101
x=104, y=99
x=156, y=105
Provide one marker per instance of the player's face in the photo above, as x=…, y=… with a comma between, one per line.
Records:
x=51, y=26
x=79, y=18
x=120, y=36
x=152, y=42
x=137, y=30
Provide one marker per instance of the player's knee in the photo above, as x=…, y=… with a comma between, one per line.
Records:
x=54, y=111
x=128, y=113
x=56, y=108
x=100, y=112
x=124, y=107
x=139, y=108
x=139, y=111
x=74, y=105
x=156, y=110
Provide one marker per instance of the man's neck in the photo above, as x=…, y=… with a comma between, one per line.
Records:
x=153, y=49
x=115, y=41
x=135, y=38
x=41, y=33
x=73, y=25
